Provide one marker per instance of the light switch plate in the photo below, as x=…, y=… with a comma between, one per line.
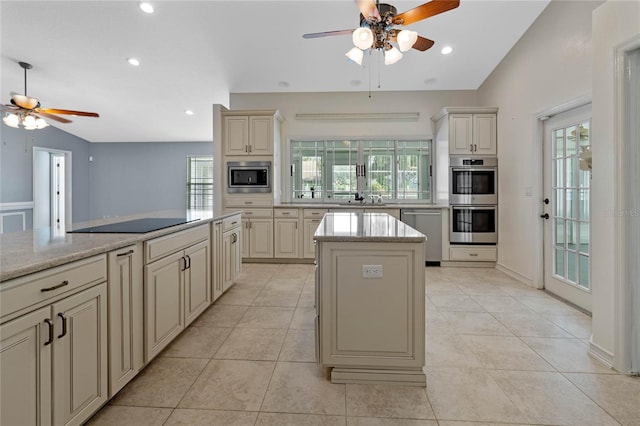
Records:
x=371, y=271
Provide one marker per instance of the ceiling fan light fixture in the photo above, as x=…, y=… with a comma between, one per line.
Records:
x=406, y=39
x=29, y=122
x=40, y=123
x=11, y=120
x=392, y=56
x=362, y=38
x=355, y=55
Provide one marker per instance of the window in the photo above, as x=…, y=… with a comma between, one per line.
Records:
x=200, y=182
x=338, y=169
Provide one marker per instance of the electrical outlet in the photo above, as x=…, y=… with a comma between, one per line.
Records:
x=371, y=271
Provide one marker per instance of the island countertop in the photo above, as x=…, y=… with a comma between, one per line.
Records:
x=34, y=250
x=338, y=226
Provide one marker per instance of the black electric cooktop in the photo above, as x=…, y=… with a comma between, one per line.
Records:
x=137, y=226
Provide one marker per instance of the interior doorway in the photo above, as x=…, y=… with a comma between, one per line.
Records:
x=566, y=215
x=51, y=189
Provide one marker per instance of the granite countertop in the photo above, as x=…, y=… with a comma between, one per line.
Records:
x=358, y=205
x=358, y=227
x=26, y=252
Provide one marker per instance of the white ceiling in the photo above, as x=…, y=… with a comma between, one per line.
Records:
x=195, y=53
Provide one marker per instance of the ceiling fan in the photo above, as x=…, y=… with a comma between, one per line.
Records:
x=377, y=28
x=26, y=110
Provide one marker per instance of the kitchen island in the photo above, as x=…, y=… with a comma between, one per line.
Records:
x=370, y=299
x=82, y=313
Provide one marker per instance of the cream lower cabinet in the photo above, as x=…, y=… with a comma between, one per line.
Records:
x=126, y=316
x=286, y=233
x=257, y=233
x=53, y=359
x=309, y=245
x=230, y=259
x=177, y=286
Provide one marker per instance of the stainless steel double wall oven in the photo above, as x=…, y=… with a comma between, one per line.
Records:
x=473, y=200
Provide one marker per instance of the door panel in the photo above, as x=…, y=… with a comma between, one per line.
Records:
x=197, y=281
x=567, y=230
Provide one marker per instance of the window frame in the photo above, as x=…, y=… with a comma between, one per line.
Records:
x=295, y=179
x=202, y=191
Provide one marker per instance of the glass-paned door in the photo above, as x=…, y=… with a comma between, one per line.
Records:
x=567, y=186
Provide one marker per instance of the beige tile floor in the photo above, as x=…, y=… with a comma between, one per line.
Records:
x=498, y=353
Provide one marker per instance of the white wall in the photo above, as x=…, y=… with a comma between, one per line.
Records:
x=614, y=23
x=426, y=103
x=550, y=65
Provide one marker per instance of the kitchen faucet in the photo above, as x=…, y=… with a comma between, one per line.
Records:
x=359, y=196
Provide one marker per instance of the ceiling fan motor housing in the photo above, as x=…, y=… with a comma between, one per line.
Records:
x=381, y=29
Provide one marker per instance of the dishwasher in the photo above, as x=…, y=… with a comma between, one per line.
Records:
x=429, y=222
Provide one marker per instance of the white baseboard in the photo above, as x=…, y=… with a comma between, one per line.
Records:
x=600, y=354
x=515, y=275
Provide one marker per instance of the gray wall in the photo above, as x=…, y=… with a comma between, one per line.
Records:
x=16, y=165
x=123, y=178
x=128, y=178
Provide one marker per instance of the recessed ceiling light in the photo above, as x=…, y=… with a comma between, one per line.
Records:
x=145, y=7
x=283, y=84
x=133, y=61
x=446, y=50
x=188, y=112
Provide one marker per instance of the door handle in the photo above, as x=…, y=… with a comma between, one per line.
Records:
x=545, y=216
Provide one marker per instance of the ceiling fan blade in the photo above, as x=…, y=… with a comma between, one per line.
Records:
x=368, y=9
x=427, y=10
x=327, y=33
x=9, y=108
x=422, y=44
x=52, y=117
x=67, y=112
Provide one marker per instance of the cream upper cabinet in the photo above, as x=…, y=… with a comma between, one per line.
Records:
x=250, y=132
x=126, y=315
x=467, y=130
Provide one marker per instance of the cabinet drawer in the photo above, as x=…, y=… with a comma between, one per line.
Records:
x=314, y=213
x=42, y=286
x=231, y=222
x=471, y=254
x=163, y=246
x=286, y=213
x=248, y=202
x=257, y=213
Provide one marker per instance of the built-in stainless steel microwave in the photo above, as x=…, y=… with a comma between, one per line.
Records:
x=249, y=176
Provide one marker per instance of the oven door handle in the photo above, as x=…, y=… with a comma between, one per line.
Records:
x=474, y=207
x=473, y=169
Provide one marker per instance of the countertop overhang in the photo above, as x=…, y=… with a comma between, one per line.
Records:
x=368, y=227
x=33, y=250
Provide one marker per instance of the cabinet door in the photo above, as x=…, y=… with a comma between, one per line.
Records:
x=80, y=355
x=236, y=135
x=126, y=313
x=217, y=263
x=197, y=284
x=246, y=235
x=25, y=368
x=484, y=134
x=228, y=254
x=460, y=134
x=237, y=252
x=310, y=226
x=164, y=303
x=286, y=238
x=261, y=238
x=261, y=135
